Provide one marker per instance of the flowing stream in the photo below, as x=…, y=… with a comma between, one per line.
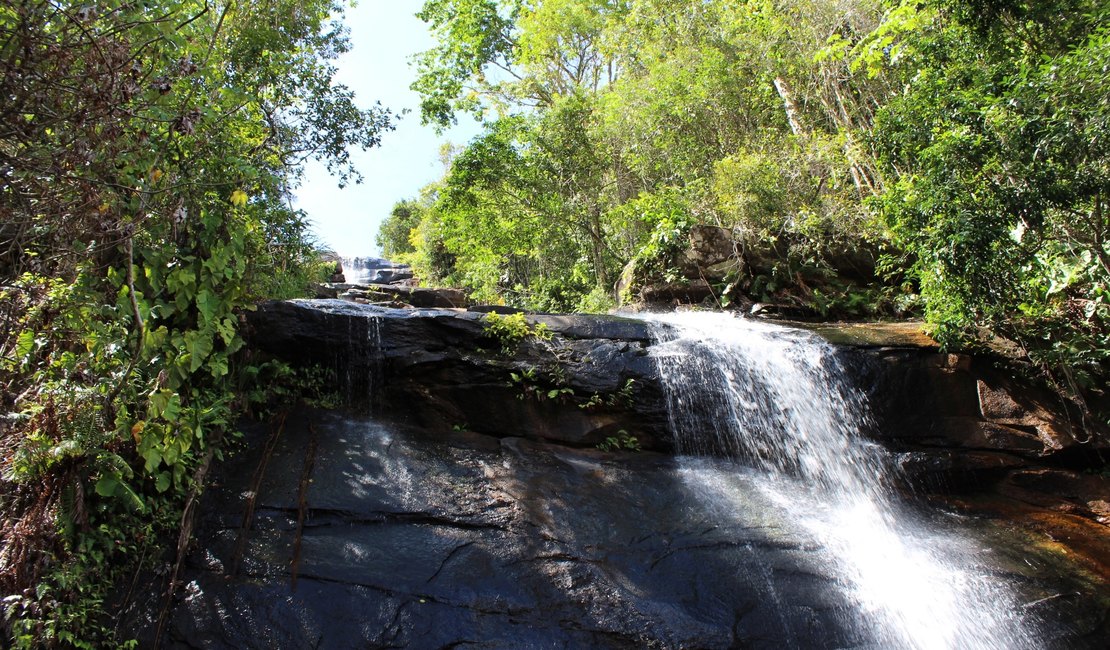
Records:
x=776, y=400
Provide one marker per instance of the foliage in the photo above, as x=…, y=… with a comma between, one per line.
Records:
x=623, y=440
x=610, y=127
x=871, y=157
x=622, y=397
x=531, y=383
x=663, y=220
x=395, y=234
x=267, y=387
x=147, y=154
x=510, y=330
x=1000, y=143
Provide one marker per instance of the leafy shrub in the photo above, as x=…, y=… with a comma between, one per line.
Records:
x=511, y=329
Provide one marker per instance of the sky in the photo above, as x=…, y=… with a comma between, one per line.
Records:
x=384, y=36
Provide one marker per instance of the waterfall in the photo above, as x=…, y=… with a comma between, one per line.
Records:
x=359, y=270
x=357, y=363
x=373, y=270
x=778, y=399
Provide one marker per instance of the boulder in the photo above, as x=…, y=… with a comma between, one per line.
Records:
x=690, y=292
x=941, y=400
x=709, y=246
x=731, y=267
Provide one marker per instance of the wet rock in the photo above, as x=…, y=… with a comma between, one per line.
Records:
x=495, y=309
x=327, y=291
x=946, y=471
x=359, y=534
x=609, y=328
x=453, y=519
x=420, y=297
x=439, y=368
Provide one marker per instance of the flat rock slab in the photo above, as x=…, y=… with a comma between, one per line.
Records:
x=879, y=334
x=396, y=540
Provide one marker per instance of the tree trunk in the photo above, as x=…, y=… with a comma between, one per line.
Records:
x=792, y=114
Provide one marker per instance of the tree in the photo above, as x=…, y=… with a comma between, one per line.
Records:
x=998, y=146
x=596, y=104
x=147, y=151
x=395, y=235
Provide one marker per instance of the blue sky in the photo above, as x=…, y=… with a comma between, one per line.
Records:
x=384, y=36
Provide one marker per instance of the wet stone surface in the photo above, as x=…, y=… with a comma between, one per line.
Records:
x=465, y=540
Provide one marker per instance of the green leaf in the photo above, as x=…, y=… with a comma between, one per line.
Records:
x=162, y=483
x=199, y=346
x=207, y=304
x=111, y=486
x=171, y=454
x=217, y=366
x=226, y=329
x=128, y=496
x=107, y=485
x=25, y=343
x=164, y=403
x=153, y=458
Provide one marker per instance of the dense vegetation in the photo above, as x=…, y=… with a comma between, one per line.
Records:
x=957, y=152
x=869, y=156
x=147, y=151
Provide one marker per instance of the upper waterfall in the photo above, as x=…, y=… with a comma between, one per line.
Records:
x=374, y=270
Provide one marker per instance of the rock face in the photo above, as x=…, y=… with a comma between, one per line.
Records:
x=438, y=368
x=420, y=297
x=474, y=509
x=346, y=533
x=956, y=426
x=445, y=361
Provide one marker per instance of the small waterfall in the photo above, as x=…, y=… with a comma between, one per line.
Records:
x=357, y=363
x=778, y=399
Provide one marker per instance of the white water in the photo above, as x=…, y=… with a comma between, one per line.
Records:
x=778, y=398
x=355, y=270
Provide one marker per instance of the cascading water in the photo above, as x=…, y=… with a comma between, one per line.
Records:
x=358, y=363
x=778, y=398
x=357, y=271
x=373, y=270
